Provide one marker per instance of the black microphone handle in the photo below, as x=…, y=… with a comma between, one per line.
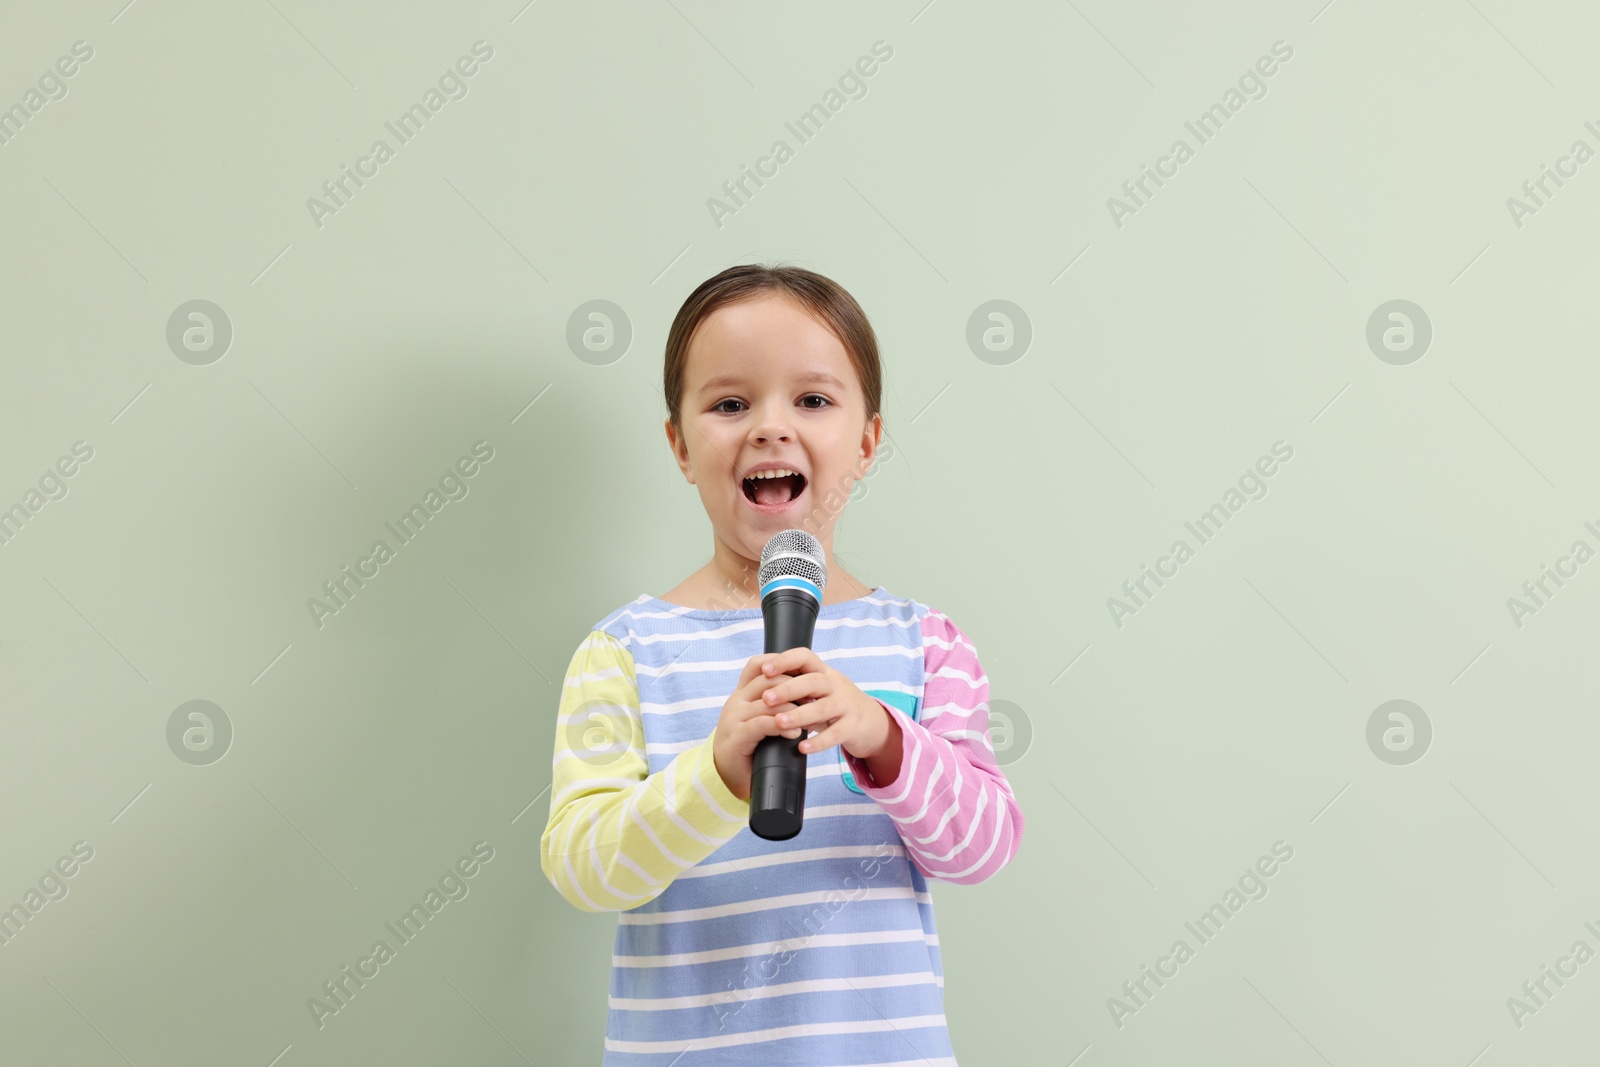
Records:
x=778, y=767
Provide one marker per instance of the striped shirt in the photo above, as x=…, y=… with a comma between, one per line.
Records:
x=818, y=950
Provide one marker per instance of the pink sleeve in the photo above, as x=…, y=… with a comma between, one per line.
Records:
x=951, y=803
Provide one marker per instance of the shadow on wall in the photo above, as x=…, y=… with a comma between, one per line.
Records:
x=419, y=718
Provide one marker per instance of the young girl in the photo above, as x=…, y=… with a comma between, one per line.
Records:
x=732, y=949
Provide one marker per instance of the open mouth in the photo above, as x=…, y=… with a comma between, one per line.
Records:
x=774, y=492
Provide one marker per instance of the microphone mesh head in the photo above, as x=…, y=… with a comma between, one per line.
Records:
x=794, y=554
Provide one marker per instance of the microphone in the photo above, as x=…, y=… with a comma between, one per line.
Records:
x=793, y=574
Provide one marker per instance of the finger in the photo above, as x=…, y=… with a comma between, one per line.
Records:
x=769, y=727
x=815, y=715
x=756, y=710
x=752, y=669
x=759, y=684
x=798, y=660
x=754, y=680
x=824, y=740
x=815, y=686
x=778, y=663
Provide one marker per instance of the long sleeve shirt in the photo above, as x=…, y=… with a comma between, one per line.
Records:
x=819, y=949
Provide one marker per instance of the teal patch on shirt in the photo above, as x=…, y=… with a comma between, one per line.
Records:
x=901, y=702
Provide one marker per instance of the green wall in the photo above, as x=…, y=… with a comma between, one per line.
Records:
x=229, y=464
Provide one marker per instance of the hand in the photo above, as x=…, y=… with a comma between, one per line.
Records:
x=823, y=698
x=745, y=721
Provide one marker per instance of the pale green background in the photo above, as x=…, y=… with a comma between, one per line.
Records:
x=370, y=354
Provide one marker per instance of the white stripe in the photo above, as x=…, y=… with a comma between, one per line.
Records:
x=778, y=1033
x=939, y=766
x=559, y=800
x=592, y=711
x=779, y=989
x=955, y=806
x=594, y=860
x=993, y=844
x=674, y=707
x=955, y=631
x=927, y=802
x=855, y=624
x=959, y=675
x=685, y=666
x=701, y=703
x=768, y=948
x=984, y=799
x=860, y=807
x=672, y=748
x=746, y=625
x=909, y=778
x=827, y=765
x=597, y=638
x=588, y=755
x=745, y=907
x=938, y=828
x=572, y=882
x=682, y=666
x=727, y=816
x=803, y=855
x=585, y=677
x=932, y=711
x=670, y=856
x=673, y=611
x=644, y=876
x=716, y=634
x=952, y=714
x=629, y=711
x=670, y=808
x=948, y=646
x=907, y=651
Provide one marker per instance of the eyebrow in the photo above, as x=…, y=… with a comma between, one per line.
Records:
x=813, y=378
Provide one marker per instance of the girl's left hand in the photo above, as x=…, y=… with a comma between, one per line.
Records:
x=845, y=715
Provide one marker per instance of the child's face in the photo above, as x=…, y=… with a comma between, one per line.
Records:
x=749, y=400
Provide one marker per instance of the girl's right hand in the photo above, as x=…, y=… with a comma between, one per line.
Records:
x=746, y=719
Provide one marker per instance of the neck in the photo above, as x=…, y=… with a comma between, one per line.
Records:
x=736, y=576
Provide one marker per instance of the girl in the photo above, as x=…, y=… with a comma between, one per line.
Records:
x=732, y=949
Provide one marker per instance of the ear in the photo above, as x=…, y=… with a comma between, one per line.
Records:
x=871, y=437
x=680, y=450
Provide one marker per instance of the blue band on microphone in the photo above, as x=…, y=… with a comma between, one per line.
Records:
x=789, y=581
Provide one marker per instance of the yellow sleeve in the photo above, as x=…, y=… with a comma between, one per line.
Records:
x=617, y=836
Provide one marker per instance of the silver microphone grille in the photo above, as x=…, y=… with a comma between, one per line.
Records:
x=794, y=554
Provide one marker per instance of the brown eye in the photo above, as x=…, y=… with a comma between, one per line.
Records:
x=717, y=407
x=818, y=396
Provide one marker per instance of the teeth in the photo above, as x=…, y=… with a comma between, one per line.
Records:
x=779, y=473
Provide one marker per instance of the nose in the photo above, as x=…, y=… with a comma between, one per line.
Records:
x=772, y=425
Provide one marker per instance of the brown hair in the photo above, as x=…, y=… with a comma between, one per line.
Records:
x=823, y=297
